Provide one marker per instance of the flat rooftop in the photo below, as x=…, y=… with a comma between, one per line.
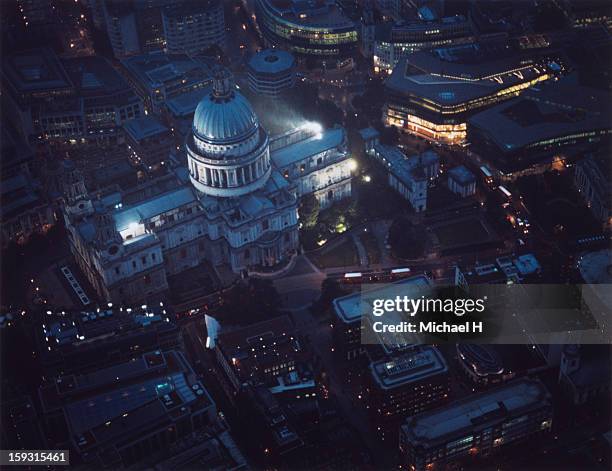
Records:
x=460, y=418
x=251, y=349
x=186, y=103
x=314, y=145
x=34, y=70
x=119, y=402
x=320, y=13
x=145, y=127
x=154, y=69
x=271, y=61
x=433, y=76
x=461, y=174
x=254, y=333
x=94, y=76
x=154, y=207
x=406, y=169
x=554, y=110
x=73, y=329
x=368, y=133
x=349, y=308
x=408, y=368
x=394, y=32
x=596, y=267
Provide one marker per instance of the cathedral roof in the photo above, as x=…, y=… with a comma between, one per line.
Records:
x=224, y=115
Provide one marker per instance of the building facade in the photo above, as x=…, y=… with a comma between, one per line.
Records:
x=318, y=31
x=410, y=177
x=591, y=180
x=270, y=72
x=395, y=42
x=403, y=385
x=192, y=27
x=134, y=27
x=477, y=426
x=317, y=161
x=544, y=122
x=183, y=26
x=121, y=414
x=159, y=78
x=80, y=100
x=461, y=181
x=149, y=143
x=432, y=94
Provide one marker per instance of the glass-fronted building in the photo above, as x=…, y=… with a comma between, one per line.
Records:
x=322, y=32
x=432, y=94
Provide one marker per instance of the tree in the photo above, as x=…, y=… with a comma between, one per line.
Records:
x=330, y=290
x=309, y=211
x=248, y=302
x=329, y=113
x=407, y=240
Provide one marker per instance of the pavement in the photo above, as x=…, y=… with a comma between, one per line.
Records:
x=361, y=250
x=301, y=286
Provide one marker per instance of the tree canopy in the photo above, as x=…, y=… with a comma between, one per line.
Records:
x=251, y=301
x=407, y=240
x=309, y=211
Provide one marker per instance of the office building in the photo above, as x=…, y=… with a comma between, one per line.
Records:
x=134, y=26
x=348, y=311
x=76, y=342
x=505, y=269
x=585, y=372
x=121, y=414
x=481, y=363
x=485, y=365
x=502, y=16
x=142, y=26
x=316, y=30
x=403, y=385
x=77, y=101
x=149, y=143
x=20, y=426
x=586, y=14
x=267, y=353
x=159, y=78
x=192, y=27
x=395, y=41
x=270, y=72
x=432, y=94
x=26, y=208
x=535, y=127
x=592, y=182
x=477, y=426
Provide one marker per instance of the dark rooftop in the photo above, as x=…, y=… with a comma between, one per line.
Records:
x=554, y=110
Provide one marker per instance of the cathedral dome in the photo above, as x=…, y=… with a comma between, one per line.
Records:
x=224, y=116
x=228, y=151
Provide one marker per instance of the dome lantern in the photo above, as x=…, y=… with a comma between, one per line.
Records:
x=222, y=84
